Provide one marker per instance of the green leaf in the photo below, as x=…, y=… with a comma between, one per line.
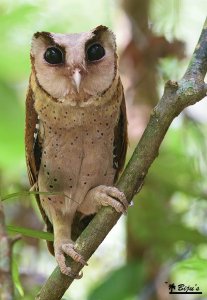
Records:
x=121, y=284
x=28, y=193
x=16, y=278
x=30, y=232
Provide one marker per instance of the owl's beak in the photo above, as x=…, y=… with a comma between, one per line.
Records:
x=77, y=78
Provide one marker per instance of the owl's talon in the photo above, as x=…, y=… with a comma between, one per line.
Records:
x=117, y=194
x=70, y=251
x=110, y=196
x=60, y=258
x=67, y=271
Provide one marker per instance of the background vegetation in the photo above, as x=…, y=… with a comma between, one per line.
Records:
x=165, y=236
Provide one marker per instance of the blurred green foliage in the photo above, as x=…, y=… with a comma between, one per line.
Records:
x=11, y=129
x=170, y=210
x=161, y=218
x=123, y=283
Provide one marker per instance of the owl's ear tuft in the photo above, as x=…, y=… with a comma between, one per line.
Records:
x=99, y=29
x=102, y=32
x=44, y=35
x=41, y=40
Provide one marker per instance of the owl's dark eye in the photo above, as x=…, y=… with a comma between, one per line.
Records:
x=95, y=52
x=53, y=56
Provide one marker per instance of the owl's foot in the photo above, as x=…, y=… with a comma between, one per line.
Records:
x=68, y=249
x=110, y=196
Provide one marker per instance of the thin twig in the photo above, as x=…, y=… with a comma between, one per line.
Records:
x=177, y=95
x=6, y=245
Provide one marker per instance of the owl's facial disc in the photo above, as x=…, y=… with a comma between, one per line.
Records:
x=75, y=68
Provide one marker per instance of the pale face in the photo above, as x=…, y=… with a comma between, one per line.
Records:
x=75, y=67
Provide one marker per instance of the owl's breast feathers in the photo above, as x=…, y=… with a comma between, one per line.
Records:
x=74, y=148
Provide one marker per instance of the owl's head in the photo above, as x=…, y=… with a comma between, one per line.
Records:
x=74, y=67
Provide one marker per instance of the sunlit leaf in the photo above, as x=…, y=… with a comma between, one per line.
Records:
x=16, y=278
x=30, y=232
x=28, y=193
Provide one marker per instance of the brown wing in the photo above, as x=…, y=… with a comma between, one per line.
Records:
x=34, y=153
x=120, y=139
x=31, y=121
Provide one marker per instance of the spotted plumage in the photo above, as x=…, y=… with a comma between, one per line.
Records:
x=76, y=132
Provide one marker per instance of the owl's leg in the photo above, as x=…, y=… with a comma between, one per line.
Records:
x=63, y=245
x=107, y=196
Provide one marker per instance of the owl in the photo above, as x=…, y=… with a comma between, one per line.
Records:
x=76, y=133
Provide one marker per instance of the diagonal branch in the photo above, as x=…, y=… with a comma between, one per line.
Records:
x=177, y=95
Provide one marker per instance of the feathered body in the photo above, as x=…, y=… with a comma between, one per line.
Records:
x=75, y=130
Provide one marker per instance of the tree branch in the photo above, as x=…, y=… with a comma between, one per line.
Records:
x=177, y=95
